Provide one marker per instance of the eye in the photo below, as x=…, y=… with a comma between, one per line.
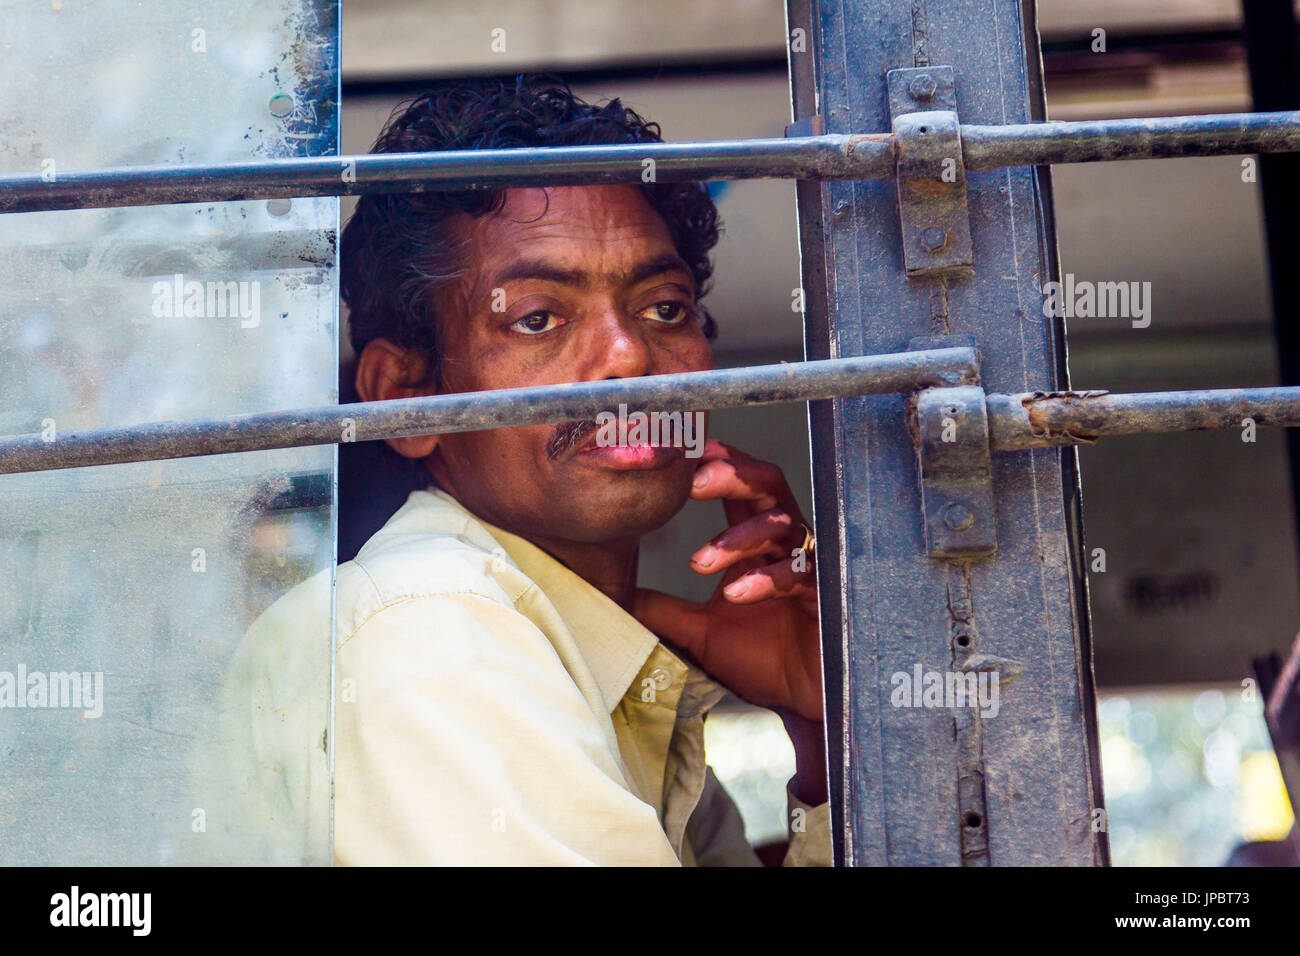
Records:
x=535, y=323
x=669, y=312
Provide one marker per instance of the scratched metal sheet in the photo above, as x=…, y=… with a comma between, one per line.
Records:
x=142, y=578
x=921, y=785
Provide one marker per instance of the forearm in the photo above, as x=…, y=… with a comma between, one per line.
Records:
x=810, y=776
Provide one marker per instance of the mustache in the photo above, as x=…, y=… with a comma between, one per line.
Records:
x=569, y=435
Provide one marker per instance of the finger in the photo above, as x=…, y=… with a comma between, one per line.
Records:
x=682, y=622
x=778, y=580
x=760, y=484
x=714, y=449
x=771, y=533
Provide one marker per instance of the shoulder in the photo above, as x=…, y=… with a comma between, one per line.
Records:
x=426, y=552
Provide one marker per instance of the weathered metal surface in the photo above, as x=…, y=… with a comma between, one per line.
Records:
x=1272, y=34
x=956, y=477
x=1039, y=419
x=846, y=156
x=931, y=175
x=1167, y=137
x=823, y=416
x=906, y=780
x=475, y=411
x=831, y=156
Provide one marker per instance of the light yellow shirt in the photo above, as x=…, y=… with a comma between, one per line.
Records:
x=493, y=709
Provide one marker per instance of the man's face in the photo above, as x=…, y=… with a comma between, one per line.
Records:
x=569, y=284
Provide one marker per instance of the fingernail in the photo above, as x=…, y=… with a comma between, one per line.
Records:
x=737, y=588
x=707, y=555
x=700, y=479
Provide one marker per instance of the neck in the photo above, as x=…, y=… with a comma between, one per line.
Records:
x=608, y=566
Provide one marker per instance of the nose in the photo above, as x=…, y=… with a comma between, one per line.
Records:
x=620, y=348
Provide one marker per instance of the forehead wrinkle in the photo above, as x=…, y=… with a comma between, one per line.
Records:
x=562, y=228
x=586, y=279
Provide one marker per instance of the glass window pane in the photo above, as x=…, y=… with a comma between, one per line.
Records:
x=126, y=589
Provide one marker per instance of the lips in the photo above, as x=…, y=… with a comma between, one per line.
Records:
x=632, y=456
x=592, y=442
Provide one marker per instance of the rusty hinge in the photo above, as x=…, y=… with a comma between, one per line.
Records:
x=931, y=172
x=952, y=445
x=956, y=476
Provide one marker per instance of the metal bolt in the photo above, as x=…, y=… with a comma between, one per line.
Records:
x=934, y=239
x=958, y=517
x=922, y=86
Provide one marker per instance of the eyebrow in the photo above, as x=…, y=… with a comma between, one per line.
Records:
x=580, y=278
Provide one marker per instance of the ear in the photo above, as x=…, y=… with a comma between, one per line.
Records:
x=386, y=371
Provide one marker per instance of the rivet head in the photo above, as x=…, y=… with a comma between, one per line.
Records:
x=280, y=105
x=922, y=86
x=958, y=517
x=934, y=239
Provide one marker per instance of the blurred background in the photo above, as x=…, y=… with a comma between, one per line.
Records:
x=1198, y=530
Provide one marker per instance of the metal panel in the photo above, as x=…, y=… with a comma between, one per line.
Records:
x=918, y=784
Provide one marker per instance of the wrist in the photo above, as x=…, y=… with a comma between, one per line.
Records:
x=808, y=736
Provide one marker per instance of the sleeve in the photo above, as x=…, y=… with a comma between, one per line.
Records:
x=716, y=830
x=810, y=833
x=463, y=740
x=258, y=775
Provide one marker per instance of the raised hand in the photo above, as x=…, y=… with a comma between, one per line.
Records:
x=758, y=633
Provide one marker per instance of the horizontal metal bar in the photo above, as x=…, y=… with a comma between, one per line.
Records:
x=1039, y=419
x=810, y=157
x=1166, y=137
x=837, y=156
x=476, y=411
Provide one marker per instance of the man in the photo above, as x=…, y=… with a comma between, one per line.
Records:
x=513, y=697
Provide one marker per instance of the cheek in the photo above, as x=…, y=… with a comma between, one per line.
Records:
x=700, y=355
x=502, y=364
x=695, y=355
x=485, y=453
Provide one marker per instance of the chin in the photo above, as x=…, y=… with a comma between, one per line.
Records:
x=630, y=508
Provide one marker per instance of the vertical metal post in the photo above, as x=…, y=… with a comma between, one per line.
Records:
x=937, y=785
x=1273, y=58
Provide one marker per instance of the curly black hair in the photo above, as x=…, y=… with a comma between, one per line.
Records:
x=396, y=252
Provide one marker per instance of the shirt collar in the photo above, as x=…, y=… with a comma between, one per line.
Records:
x=614, y=644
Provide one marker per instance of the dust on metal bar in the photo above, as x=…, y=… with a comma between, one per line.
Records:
x=825, y=157
x=505, y=408
x=816, y=157
x=1039, y=419
x=1166, y=137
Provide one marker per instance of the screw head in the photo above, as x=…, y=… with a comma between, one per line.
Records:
x=922, y=86
x=933, y=239
x=958, y=517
